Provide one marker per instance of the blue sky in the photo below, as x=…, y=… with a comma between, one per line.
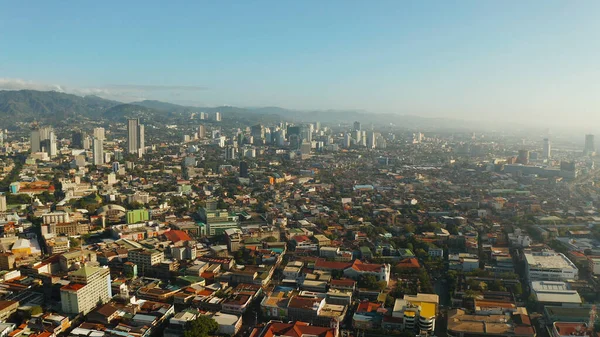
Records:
x=527, y=60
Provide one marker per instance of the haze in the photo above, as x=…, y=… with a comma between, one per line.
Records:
x=526, y=62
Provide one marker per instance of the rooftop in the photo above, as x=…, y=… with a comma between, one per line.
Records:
x=548, y=260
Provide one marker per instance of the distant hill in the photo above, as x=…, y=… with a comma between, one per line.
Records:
x=58, y=108
x=124, y=111
x=163, y=106
x=48, y=106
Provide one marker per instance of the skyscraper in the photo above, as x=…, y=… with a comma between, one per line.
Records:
x=523, y=157
x=258, y=133
x=589, y=147
x=135, y=137
x=99, y=133
x=35, y=141
x=243, y=169
x=357, y=126
x=98, y=151
x=2, y=203
x=547, y=148
x=52, y=148
x=217, y=116
x=371, y=140
x=305, y=133
x=77, y=139
x=201, y=131
x=347, y=140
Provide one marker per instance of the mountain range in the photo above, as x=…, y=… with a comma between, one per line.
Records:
x=51, y=107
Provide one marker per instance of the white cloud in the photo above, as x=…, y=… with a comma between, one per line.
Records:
x=18, y=84
x=118, y=92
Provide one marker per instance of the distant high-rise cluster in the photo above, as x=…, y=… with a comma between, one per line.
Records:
x=43, y=140
x=135, y=137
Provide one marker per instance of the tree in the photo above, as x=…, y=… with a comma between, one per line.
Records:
x=36, y=310
x=202, y=326
x=74, y=242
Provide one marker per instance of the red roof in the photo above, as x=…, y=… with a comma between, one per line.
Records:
x=324, y=264
x=367, y=306
x=73, y=286
x=343, y=283
x=304, y=302
x=300, y=238
x=175, y=235
x=297, y=329
x=409, y=263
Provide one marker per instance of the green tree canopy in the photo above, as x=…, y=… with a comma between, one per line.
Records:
x=202, y=326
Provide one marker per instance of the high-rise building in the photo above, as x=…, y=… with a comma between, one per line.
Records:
x=77, y=139
x=357, y=126
x=52, y=148
x=201, y=131
x=135, y=137
x=98, y=151
x=589, y=147
x=547, y=149
x=3, y=203
x=306, y=133
x=89, y=286
x=243, y=169
x=231, y=153
x=347, y=140
x=523, y=157
x=99, y=133
x=258, y=132
x=217, y=116
x=35, y=141
x=371, y=140
x=357, y=136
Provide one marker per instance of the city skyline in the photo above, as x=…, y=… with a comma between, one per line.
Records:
x=529, y=62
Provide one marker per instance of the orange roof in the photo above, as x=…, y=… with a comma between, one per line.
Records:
x=367, y=267
x=177, y=235
x=409, y=263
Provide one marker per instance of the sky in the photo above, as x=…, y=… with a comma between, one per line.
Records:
x=524, y=61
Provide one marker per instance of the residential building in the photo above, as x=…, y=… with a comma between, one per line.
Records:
x=7, y=308
x=358, y=268
x=461, y=324
x=145, y=258
x=89, y=286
